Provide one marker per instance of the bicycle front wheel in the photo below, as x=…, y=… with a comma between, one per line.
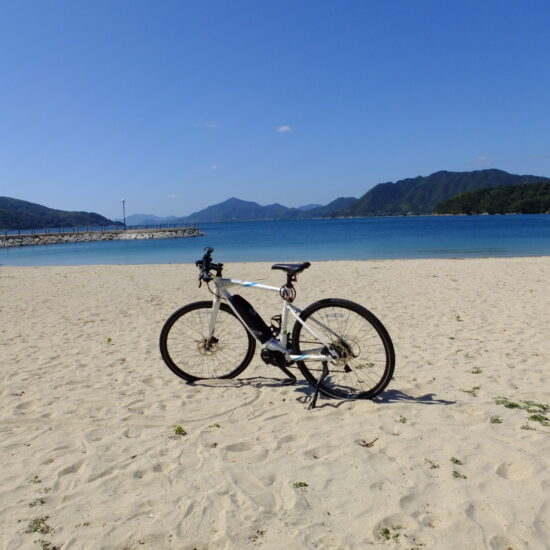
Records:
x=359, y=350
x=189, y=351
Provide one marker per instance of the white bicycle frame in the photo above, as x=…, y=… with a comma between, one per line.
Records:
x=281, y=345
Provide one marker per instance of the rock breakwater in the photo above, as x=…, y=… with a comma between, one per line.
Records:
x=87, y=236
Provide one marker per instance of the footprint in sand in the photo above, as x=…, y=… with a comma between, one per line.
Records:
x=408, y=502
x=515, y=470
x=239, y=447
x=26, y=406
x=72, y=469
x=92, y=436
x=282, y=441
x=132, y=433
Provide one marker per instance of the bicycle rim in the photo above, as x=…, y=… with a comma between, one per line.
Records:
x=187, y=350
x=365, y=356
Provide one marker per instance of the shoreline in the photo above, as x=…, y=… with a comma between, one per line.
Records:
x=228, y=263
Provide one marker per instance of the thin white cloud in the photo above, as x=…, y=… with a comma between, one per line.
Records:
x=285, y=128
x=482, y=160
x=214, y=167
x=211, y=124
x=173, y=196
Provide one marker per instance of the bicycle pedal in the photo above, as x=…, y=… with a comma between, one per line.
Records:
x=291, y=378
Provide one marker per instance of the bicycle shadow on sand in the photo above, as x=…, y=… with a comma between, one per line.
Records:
x=302, y=387
x=258, y=382
x=385, y=398
x=306, y=391
x=397, y=396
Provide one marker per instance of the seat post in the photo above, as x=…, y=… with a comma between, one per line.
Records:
x=290, y=279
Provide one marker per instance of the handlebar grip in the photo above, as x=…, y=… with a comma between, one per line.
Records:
x=204, y=263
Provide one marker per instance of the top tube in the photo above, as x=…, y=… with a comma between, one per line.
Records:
x=224, y=282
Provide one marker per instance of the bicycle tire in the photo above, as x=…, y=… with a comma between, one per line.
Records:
x=184, y=347
x=367, y=357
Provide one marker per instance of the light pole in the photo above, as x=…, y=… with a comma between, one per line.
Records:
x=124, y=212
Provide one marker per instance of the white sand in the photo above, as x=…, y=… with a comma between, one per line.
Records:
x=87, y=406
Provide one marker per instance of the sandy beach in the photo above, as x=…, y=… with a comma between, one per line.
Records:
x=89, y=458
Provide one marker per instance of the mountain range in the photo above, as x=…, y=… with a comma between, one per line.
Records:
x=238, y=210
x=420, y=195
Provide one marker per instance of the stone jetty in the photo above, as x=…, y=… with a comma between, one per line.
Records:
x=103, y=235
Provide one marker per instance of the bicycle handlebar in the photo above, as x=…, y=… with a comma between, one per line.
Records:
x=206, y=265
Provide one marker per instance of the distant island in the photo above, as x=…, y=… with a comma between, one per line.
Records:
x=532, y=198
x=422, y=195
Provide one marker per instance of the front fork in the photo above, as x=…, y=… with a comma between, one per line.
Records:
x=213, y=317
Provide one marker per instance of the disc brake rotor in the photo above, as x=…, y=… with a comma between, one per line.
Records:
x=346, y=350
x=208, y=346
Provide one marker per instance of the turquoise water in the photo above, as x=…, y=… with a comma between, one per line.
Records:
x=341, y=239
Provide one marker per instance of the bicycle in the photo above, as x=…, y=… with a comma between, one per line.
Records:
x=339, y=346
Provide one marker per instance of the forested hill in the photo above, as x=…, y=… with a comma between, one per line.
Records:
x=331, y=208
x=422, y=194
x=238, y=210
x=18, y=214
x=533, y=198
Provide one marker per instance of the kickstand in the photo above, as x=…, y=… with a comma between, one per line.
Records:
x=291, y=378
x=319, y=382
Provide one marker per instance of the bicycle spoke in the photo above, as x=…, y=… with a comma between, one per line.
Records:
x=193, y=353
x=357, y=357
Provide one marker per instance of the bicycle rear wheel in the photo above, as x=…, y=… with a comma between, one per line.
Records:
x=365, y=358
x=188, y=351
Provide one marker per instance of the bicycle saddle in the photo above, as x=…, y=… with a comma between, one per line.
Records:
x=291, y=269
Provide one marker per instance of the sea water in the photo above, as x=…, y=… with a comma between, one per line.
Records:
x=310, y=240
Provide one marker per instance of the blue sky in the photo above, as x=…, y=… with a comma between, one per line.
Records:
x=176, y=105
